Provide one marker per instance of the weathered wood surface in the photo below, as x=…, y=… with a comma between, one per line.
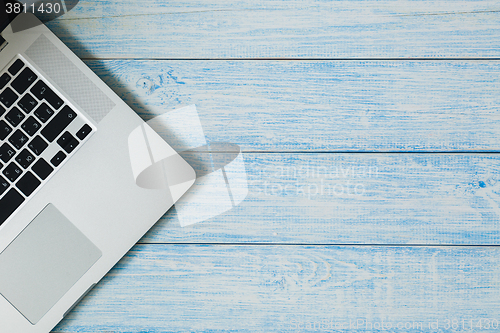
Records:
x=356, y=199
x=196, y=288
x=313, y=106
x=194, y=29
x=315, y=94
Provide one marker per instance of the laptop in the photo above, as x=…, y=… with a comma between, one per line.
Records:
x=70, y=203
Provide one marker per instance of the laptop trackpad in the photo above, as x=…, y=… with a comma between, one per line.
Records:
x=47, y=258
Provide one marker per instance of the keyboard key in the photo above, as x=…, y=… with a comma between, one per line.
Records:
x=67, y=142
x=9, y=203
x=44, y=112
x=58, y=123
x=12, y=172
x=6, y=152
x=28, y=183
x=14, y=116
x=2, y=110
x=42, y=91
x=83, y=132
x=5, y=130
x=64, y=139
x=4, y=185
x=16, y=67
x=18, y=139
x=27, y=103
x=31, y=126
x=42, y=169
x=22, y=82
x=8, y=97
x=58, y=158
x=4, y=79
x=37, y=145
x=25, y=158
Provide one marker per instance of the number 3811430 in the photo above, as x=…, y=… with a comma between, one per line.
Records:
x=35, y=8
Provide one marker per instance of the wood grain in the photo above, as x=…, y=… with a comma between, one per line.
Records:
x=194, y=29
x=165, y=288
x=335, y=230
x=355, y=199
x=313, y=106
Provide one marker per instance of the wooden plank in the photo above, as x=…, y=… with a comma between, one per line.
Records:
x=323, y=105
x=354, y=199
x=160, y=288
x=276, y=29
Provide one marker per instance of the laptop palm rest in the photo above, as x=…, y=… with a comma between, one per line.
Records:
x=44, y=261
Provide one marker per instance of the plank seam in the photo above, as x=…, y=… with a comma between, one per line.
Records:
x=325, y=244
x=302, y=59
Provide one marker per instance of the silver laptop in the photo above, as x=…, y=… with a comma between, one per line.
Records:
x=70, y=206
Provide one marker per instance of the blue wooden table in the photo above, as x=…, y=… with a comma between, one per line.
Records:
x=369, y=131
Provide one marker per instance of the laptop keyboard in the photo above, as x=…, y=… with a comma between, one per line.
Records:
x=39, y=131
